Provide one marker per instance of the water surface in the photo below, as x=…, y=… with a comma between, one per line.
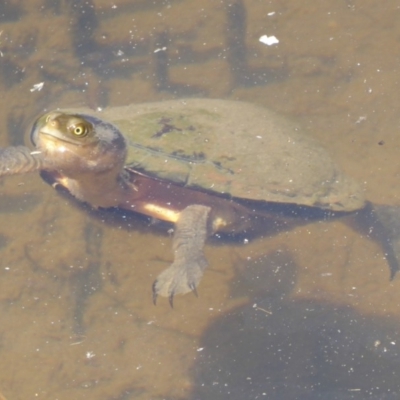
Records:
x=308, y=313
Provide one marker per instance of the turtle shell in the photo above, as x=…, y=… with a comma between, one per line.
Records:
x=232, y=148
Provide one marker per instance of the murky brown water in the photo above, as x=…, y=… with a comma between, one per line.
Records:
x=76, y=316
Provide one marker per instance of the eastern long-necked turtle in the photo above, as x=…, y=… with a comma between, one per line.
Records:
x=204, y=165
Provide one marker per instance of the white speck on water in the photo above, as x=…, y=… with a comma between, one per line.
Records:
x=361, y=118
x=200, y=349
x=37, y=87
x=270, y=14
x=160, y=49
x=268, y=40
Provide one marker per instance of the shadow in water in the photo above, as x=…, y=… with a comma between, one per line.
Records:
x=277, y=347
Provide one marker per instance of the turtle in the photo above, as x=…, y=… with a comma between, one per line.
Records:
x=204, y=165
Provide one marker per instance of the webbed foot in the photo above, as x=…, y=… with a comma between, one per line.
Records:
x=179, y=278
x=186, y=271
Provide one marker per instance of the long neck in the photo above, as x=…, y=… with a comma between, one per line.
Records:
x=104, y=189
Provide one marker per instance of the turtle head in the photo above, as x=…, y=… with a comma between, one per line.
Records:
x=75, y=145
x=83, y=154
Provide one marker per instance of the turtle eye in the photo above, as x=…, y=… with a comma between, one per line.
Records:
x=79, y=130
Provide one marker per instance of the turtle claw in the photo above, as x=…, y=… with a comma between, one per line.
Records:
x=178, y=279
x=174, y=287
x=192, y=286
x=154, y=291
x=171, y=300
x=155, y=295
x=194, y=289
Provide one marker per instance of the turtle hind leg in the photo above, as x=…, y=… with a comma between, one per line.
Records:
x=185, y=273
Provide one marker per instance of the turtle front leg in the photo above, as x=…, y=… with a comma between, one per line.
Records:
x=19, y=160
x=185, y=273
